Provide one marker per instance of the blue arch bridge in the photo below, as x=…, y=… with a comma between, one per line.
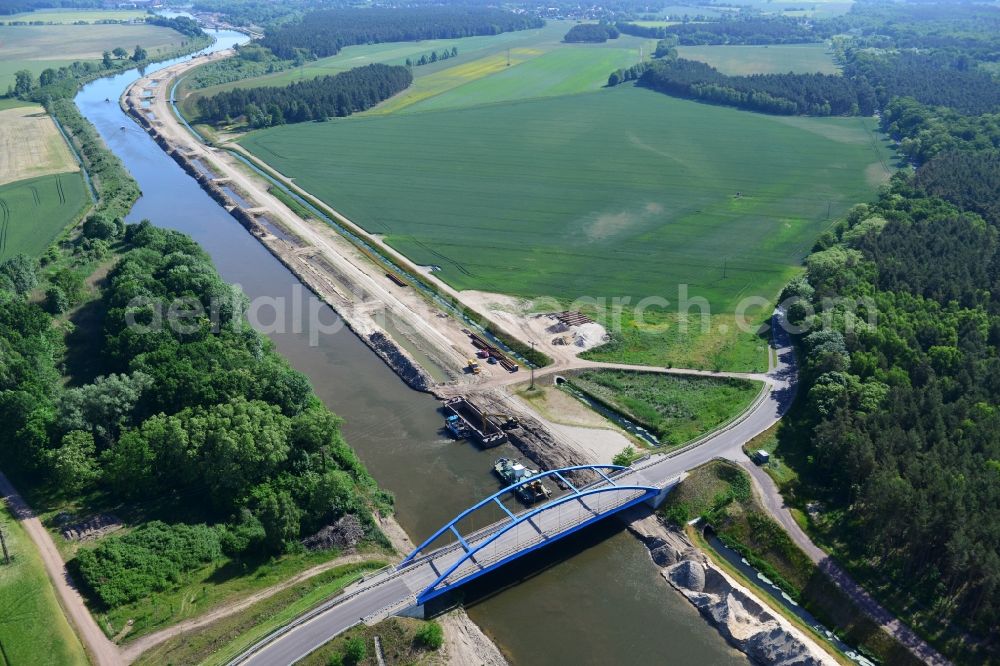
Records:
x=471, y=555
x=429, y=572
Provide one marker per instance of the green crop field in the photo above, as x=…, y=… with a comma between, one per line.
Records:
x=777, y=59
x=540, y=65
x=396, y=53
x=620, y=192
x=34, y=211
x=33, y=629
x=676, y=409
x=564, y=71
x=38, y=47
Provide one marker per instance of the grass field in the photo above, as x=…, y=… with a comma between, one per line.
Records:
x=34, y=211
x=671, y=339
x=677, y=409
x=654, y=24
x=33, y=629
x=31, y=145
x=225, y=638
x=777, y=59
x=38, y=47
x=209, y=587
x=13, y=103
x=75, y=15
x=620, y=192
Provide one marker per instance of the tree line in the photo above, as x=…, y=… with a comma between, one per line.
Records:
x=786, y=94
x=324, y=33
x=902, y=418
x=424, y=59
x=742, y=29
x=594, y=33
x=324, y=97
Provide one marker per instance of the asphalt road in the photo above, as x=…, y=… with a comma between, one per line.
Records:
x=390, y=590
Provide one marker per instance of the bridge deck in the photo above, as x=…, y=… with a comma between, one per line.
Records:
x=533, y=533
x=382, y=594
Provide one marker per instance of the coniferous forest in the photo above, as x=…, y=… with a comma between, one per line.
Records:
x=784, y=94
x=324, y=97
x=324, y=33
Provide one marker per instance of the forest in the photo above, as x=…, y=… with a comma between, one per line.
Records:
x=902, y=418
x=900, y=413
x=933, y=79
x=194, y=411
x=594, y=33
x=324, y=97
x=785, y=94
x=742, y=29
x=324, y=33
x=923, y=131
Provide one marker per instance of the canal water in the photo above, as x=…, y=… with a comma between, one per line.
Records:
x=594, y=599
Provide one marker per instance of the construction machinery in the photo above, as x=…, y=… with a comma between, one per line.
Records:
x=511, y=471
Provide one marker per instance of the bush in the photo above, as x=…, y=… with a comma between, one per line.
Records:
x=431, y=636
x=152, y=558
x=625, y=457
x=355, y=650
x=55, y=300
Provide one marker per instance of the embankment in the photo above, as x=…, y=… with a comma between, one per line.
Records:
x=750, y=626
x=294, y=256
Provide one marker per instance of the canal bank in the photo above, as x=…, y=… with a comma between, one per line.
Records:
x=607, y=584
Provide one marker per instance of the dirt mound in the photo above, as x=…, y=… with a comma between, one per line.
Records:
x=91, y=528
x=343, y=535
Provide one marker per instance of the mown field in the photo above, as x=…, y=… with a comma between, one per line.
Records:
x=677, y=409
x=36, y=48
x=31, y=145
x=620, y=192
x=34, y=211
x=75, y=15
x=774, y=59
x=33, y=629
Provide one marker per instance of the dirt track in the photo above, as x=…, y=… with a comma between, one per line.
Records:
x=99, y=648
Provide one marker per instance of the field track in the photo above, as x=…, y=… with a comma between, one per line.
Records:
x=4, y=221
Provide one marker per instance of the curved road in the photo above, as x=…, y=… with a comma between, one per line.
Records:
x=393, y=590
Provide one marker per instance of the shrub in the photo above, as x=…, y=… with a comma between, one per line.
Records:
x=355, y=650
x=431, y=636
x=152, y=558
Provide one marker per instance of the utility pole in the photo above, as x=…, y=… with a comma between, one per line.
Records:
x=532, y=387
x=508, y=57
x=3, y=542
